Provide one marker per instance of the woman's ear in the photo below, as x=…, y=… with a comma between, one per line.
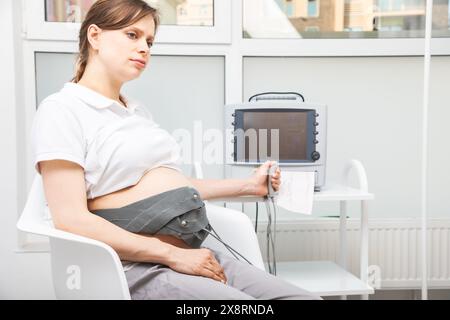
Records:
x=93, y=35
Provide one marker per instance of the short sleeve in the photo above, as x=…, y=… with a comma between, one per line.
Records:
x=56, y=134
x=146, y=113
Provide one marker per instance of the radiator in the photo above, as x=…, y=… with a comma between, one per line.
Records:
x=394, y=247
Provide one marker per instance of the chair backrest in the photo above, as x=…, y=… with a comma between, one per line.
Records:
x=82, y=268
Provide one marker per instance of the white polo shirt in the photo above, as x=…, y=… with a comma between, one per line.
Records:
x=115, y=145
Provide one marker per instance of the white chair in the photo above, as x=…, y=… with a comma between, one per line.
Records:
x=84, y=268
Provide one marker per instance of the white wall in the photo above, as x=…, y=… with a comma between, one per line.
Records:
x=22, y=276
x=374, y=115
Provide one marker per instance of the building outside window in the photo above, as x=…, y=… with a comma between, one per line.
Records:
x=342, y=18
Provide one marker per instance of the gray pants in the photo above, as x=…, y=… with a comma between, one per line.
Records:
x=150, y=281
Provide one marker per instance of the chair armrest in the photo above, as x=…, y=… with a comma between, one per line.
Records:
x=235, y=229
x=86, y=270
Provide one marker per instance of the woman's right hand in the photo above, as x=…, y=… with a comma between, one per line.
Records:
x=197, y=262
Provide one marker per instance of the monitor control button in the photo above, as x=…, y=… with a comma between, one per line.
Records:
x=315, y=155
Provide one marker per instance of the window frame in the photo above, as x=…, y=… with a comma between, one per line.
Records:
x=36, y=28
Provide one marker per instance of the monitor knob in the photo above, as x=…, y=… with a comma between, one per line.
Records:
x=315, y=155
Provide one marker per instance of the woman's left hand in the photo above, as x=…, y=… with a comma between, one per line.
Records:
x=258, y=180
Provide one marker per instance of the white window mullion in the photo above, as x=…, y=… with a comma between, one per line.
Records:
x=234, y=68
x=233, y=61
x=341, y=47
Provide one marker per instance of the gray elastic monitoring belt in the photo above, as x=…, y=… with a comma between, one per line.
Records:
x=179, y=212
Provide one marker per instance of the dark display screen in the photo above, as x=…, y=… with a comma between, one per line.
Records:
x=285, y=135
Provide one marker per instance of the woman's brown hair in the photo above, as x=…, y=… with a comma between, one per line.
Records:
x=110, y=15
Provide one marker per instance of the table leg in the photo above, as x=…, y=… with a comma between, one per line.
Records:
x=364, y=250
x=343, y=235
x=343, y=238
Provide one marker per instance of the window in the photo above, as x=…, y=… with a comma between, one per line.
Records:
x=182, y=21
x=66, y=10
x=180, y=12
x=313, y=8
x=342, y=18
x=312, y=29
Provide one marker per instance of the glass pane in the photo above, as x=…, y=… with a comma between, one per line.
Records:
x=173, y=12
x=342, y=18
x=66, y=10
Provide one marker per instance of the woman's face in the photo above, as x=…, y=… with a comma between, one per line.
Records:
x=125, y=53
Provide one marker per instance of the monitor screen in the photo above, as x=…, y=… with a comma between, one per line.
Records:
x=285, y=135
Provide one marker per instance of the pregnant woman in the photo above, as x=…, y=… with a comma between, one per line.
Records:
x=103, y=158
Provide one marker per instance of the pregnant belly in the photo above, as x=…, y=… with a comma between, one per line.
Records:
x=152, y=183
